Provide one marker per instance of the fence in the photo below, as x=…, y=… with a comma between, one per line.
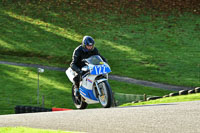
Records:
x=121, y=98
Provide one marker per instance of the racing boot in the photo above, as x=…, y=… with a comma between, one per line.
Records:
x=76, y=84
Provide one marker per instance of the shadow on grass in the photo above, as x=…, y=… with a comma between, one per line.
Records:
x=19, y=87
x=19, y=38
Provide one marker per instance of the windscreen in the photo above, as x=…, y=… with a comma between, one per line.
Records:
x=95, y=60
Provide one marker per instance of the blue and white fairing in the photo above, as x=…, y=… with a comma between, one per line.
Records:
x=89, y=94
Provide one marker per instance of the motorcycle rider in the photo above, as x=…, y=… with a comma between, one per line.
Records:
x=83, y=51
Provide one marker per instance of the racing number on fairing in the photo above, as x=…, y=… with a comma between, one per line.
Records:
x=104, y=69
x=100, y=69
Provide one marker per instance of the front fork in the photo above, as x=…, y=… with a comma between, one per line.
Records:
x=96, y=83
x=99, y=91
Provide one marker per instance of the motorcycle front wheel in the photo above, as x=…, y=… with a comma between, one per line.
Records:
x=78, y=101
x=106, y=98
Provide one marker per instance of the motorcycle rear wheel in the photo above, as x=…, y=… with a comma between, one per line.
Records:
x=106, y=98
x=78, y=101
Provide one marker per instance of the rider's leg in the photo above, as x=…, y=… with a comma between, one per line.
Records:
x=76, y=84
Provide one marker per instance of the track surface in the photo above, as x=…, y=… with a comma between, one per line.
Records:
x=163, y=118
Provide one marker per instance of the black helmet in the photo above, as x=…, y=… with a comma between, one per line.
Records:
x=88, y=41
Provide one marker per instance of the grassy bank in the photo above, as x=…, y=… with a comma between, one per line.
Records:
x=148, y=47
x=19, y=87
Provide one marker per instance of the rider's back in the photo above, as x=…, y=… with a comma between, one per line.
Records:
x=79, y=54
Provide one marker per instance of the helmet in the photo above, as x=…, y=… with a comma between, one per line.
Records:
x=88, y=41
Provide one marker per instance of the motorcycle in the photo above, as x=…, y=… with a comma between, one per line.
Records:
x=94, y=86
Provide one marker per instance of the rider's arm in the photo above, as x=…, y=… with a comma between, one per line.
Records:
x=75, y=59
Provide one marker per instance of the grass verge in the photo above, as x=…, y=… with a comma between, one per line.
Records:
x=29, y=130
x=183, y=98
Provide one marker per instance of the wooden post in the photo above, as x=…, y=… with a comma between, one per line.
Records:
x=145, y=97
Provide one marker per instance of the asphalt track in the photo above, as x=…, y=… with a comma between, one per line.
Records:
x=181, y=117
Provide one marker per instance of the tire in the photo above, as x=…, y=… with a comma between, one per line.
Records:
x=106, y=99
x=78, y=101
x=153, y=98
